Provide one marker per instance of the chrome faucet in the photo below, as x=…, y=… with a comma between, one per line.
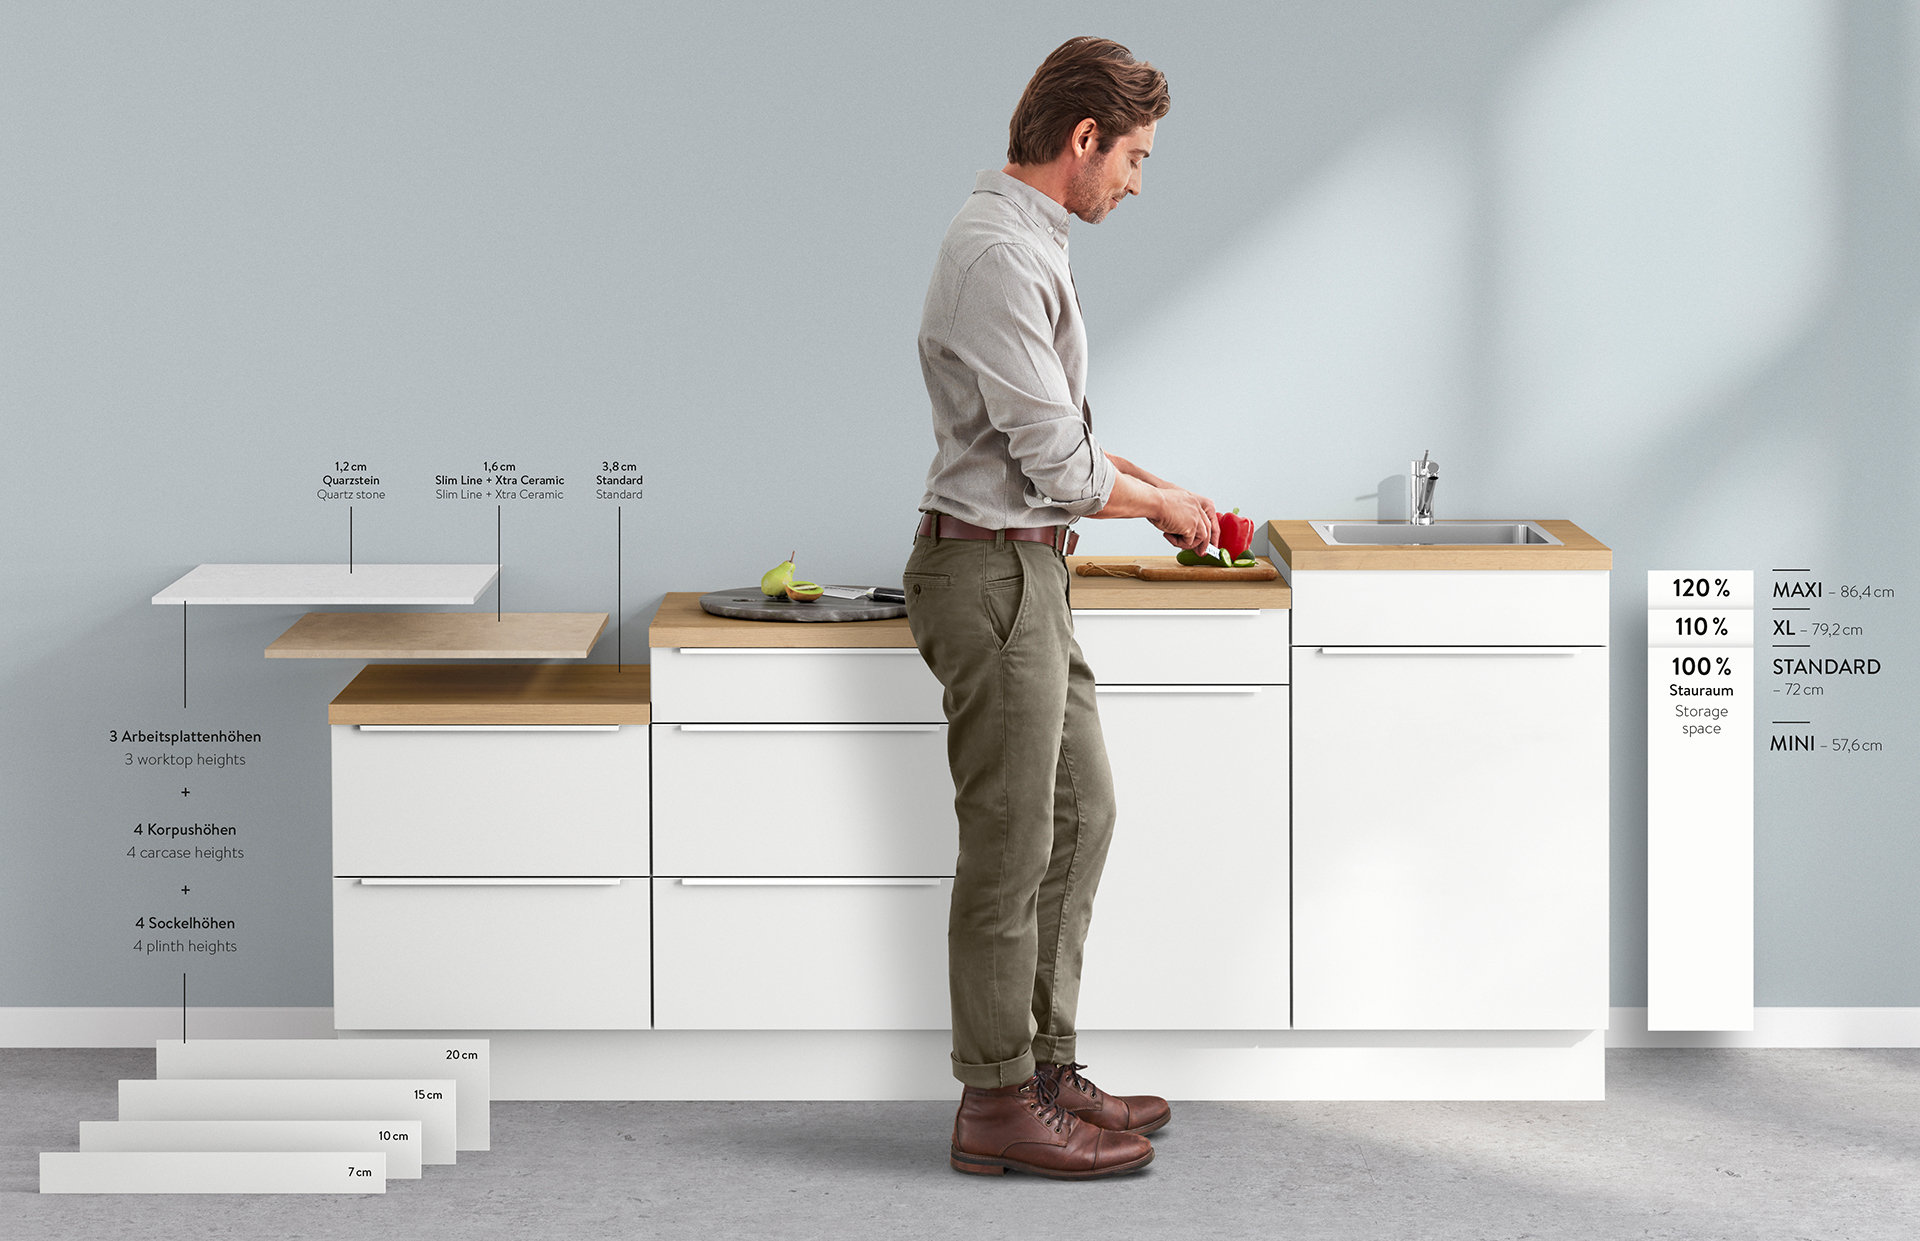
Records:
x=1425, y=474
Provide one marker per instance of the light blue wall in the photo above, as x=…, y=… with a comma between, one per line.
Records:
x=1647, y=264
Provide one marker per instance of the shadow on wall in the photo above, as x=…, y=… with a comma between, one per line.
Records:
x=1557, y=285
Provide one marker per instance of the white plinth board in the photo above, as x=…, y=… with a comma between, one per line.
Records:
x=327, y=585
x=467, y=1061
x=139, y=1027
x=398, y=1140
x=428, y=1100
x=213, y=1172
x=1180, y=1064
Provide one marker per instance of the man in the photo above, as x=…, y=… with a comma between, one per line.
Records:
x=1004, y=354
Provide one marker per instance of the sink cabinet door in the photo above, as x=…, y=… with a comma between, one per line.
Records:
x=1190, y=922
x=1450, y=840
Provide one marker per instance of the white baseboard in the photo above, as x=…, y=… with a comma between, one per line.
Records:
x=143, y=1027
x=1780, y=1027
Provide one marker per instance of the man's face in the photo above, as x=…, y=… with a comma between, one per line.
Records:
x=1102, y=181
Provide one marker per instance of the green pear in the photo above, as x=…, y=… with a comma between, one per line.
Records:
x=773, y=583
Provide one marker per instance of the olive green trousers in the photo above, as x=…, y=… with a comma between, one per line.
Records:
x=1032, y=791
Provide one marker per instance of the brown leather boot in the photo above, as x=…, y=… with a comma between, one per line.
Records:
x=1134, y=1113
x=1023, y=1128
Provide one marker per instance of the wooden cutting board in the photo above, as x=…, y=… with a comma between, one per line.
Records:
x=1263, y=572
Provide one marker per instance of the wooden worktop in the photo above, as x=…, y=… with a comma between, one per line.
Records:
x=681, y=622
x=495, y=694
x=1301, y=547
x=440, y=635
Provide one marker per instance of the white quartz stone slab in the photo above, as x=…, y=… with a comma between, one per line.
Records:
x=466, y=1060
x=213, y=1172
x=325, y=585
x=398, y=1140
x=428, y=1100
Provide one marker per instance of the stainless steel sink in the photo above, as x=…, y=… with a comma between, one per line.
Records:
x=1436, y=534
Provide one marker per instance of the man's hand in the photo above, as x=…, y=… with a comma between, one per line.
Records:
x=1186, y=520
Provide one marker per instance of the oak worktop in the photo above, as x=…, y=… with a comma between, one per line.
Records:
x=1301, y=547
x=681, y=622
x=456, y=694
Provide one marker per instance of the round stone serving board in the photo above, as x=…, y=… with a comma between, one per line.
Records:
x=747, y=603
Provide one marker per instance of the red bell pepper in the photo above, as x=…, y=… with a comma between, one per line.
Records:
x=1236, y=534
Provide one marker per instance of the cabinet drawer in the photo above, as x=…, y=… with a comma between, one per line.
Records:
x=489, y=801
x=798, y=956
x=1406, y=607
x=779, y=685
x=1141, y=646
x=1190, y=924
x=420, y=955
x=803, y=799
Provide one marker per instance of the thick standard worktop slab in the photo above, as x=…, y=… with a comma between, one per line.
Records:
x=453, y=694
x=440, y=635
x=1301, y=547
x=681, y=622
x=331, y=585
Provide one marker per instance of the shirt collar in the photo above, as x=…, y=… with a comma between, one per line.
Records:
x=1048, y=216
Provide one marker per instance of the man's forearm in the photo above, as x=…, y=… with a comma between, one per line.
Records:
x=1132, y=497
x=1186, y=519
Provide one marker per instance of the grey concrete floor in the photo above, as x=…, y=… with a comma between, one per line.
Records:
x=1743, y=1145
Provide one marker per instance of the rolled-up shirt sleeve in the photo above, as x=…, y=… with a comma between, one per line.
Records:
x=1003, y=330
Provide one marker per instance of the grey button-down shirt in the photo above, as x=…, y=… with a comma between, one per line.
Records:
x=1004, y=353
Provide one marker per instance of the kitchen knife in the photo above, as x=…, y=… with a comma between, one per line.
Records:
x=879, y=594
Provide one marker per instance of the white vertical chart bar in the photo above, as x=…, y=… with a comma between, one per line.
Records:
x=1700, y=799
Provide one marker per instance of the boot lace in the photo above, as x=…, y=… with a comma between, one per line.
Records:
x=1070, y=1074
x=1042, y=1093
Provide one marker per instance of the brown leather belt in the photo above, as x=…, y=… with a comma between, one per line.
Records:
x=1060, y=538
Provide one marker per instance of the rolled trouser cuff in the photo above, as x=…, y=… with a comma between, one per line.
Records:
x=1050, y=1050
x=990, y=1076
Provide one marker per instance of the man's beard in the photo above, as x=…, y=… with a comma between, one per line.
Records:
x=1085, y=198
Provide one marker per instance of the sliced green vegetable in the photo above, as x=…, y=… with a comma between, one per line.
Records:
x=1188, y=556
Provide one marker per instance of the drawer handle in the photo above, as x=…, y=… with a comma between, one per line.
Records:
x=810, y=883
x=1457, y=650
x=1222, y=612
x=492, y=881
x=798, y=650
x=488, y=728
x=1176, y=689
x=811, y=728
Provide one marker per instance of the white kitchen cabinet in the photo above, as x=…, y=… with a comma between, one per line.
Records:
x=731, y=685
x=1184, y=646
x=540, y=954
x=802, y=799
x=452, y=800
x=1190, y=926
x=848, y=954
x=1450, y=837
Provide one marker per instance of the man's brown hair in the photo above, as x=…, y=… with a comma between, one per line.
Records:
x=1084, y=77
